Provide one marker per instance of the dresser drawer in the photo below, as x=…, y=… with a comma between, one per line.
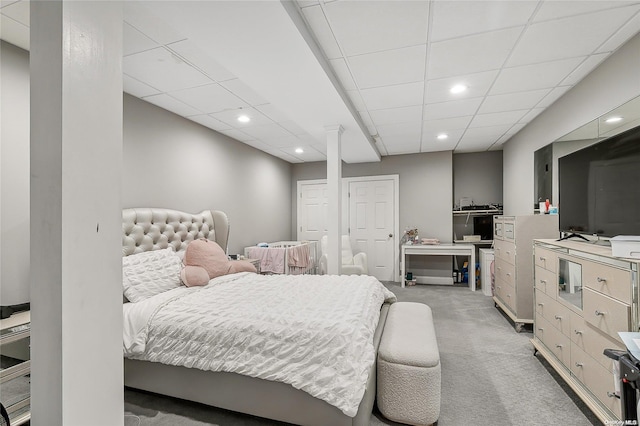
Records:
x=505, y=250
x=546, y=281
x=509, y=228
x=605, y=313
x=546, y=259
x=554, y=312
x=553, y=339
x=497, y=229
x=507, y=272
x=611, y=281
x=593, y=341
x=596, y=378
x=506, y=293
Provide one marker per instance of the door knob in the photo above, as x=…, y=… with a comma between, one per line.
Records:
x=390, y=235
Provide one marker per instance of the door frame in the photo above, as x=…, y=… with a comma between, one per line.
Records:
x=345, y=209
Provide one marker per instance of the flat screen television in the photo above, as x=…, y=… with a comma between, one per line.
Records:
x=599, y=187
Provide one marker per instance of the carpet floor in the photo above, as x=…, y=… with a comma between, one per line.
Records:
x=489, y=374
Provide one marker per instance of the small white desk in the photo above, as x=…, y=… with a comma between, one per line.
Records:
x=440, y=250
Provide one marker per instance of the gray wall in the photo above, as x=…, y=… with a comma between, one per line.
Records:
x=14, y=175
x=172, y=162
x=613, y=83
x=478, y=175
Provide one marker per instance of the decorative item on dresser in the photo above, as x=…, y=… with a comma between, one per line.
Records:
x=583, y=297
x=513, y=244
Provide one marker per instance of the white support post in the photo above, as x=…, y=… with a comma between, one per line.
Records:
x=334, y=186
x=76, y=219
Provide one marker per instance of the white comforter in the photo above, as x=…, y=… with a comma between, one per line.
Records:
x=312, y=332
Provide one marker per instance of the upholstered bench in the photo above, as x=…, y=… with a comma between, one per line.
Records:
x=408, y=388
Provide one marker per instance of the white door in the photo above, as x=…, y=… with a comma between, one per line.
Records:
x=372, y=224
x=312, y=210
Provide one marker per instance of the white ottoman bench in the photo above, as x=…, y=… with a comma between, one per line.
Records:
x=408, y=388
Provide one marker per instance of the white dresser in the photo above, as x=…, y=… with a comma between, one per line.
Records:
x=513, y=269
x=583, y=297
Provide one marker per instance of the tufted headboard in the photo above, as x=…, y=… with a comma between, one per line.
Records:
x=146, y=229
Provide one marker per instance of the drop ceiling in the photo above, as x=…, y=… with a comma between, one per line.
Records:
x=382, y=70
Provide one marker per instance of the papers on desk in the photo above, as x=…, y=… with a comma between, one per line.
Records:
x=632, y=342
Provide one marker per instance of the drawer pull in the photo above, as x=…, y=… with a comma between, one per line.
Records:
x=577, y=331
x=543, y=281
x=543, y=258
x=612, y=395
x=540, y=329
x=540, y=304
x=600, y=313
x=508, y=252
x=559, y=346
x=558, y=317
x=600, y=279
x=508, y=274
x=578, y=364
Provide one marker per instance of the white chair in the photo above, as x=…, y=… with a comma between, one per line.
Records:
x=352, y=264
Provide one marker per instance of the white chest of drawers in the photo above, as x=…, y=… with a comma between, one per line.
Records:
x=513, y=246
x=583, y=297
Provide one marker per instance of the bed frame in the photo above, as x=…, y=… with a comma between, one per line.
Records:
x=146, y=229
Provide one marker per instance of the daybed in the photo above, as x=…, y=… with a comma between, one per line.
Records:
x=156, y=229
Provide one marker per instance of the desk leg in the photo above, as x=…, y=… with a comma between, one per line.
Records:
x=472, y=267
x=403, y=262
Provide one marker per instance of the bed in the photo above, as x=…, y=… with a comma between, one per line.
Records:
x=262, y=393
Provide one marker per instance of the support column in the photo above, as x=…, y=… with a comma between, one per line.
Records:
x=334, y=186
x=76, y=168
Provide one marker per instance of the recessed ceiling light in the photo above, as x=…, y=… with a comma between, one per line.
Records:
x=613, y=119
x=299, y=150
x=244, y=119
x=442, y=136
x=458, y=88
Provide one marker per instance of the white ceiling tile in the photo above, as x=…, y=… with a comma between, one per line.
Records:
x=588, y=65
x=283, y=156
x=308, y=155
x=567, y=37
x=458, y=108
x=382, y=117
x=210, y=98
x=397, y=66
x=397, y=96
x=431, y=143
x=14, y=32
x=137, y=88
x=284, y=142
x=139, y=14
x=307, y=3
x=272, y=112
x=622, y=35
x=553, y=96
x=322, y=148
x=445, y=125
x=210, y=122
x=496, y=118
x=320, y=27
x=560, y=9
x=134, y=41
x=477, y=85
x=230, y=117
x=273, y=134
x=18, y=11
x=481, y=138
x=403, y=146
x=163, y=70
x=244, y=92
x=200, y=59
x=532, y=77
x=512, y=101
x=460, y=18
x=293, y=127
x=342, y=72
x=170, y=104
x=533, y=113
x=403, y=134
x=238, y=135
x=365, y=27
x=466, y=55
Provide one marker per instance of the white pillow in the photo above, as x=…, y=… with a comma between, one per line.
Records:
x=149, y=273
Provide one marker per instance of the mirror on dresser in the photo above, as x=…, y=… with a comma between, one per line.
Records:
x=620, y=119
x=570, y=282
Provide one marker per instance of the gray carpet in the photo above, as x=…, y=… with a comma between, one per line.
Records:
x=489, y=374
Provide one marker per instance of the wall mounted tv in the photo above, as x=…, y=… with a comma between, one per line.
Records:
x=599, y=187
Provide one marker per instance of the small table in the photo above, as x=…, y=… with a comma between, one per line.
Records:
x=441, y=250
